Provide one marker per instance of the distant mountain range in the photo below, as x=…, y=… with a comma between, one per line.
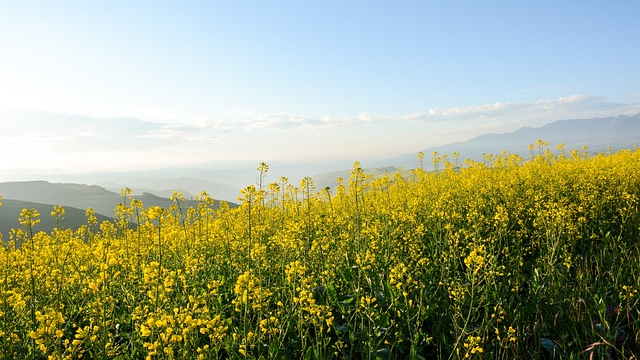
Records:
x=79, y=196
x=75, y=198
x=622, y=132
x=224, y=181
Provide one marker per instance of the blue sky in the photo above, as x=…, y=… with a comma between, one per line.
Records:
x=295, y=80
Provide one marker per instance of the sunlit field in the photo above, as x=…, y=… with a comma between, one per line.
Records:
x=501, y=259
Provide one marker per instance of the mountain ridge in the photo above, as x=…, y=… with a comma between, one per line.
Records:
x=11, y=209
x=79, y=196
x=226, y=181
x=597, y=134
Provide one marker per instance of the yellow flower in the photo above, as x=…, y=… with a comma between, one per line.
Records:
x=511, y=334
x=473, y=346
x=29, y=217
x=155, y=212
x=476, y=259
x=145, y=331
x=58, y=212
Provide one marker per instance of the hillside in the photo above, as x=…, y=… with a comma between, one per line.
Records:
x=78, y=196
x=68, y=195
x=10, y=213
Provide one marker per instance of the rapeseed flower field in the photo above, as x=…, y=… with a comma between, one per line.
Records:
x=500, y=259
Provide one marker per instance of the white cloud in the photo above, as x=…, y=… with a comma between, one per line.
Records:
x=164, y=115
x=277, y=121
x=82, y=143
x=365, y=117
x=532, y=113
x=288, y=122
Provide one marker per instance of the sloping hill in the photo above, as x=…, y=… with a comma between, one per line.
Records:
x=68, y=195
x=78, y=196
x=164, y=182
x=10, y=213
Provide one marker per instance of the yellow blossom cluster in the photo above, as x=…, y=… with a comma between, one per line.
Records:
x=508, y=257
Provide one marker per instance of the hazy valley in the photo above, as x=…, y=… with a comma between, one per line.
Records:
x=223, y=180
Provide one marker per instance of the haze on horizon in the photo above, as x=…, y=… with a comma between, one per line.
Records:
x=121, y=86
